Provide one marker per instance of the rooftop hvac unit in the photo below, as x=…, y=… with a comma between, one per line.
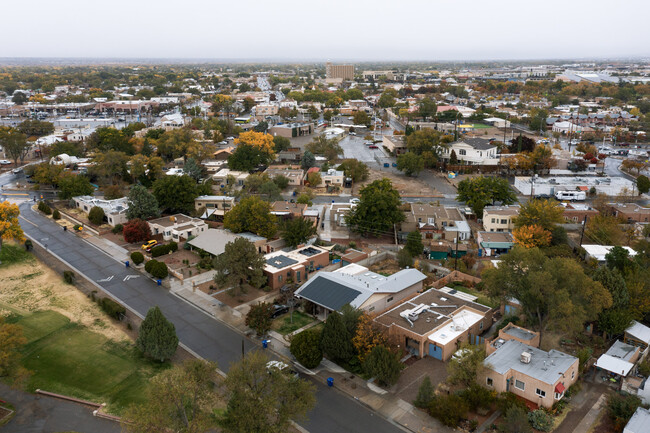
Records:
x=526, y=357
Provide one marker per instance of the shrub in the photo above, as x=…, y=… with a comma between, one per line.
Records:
x=137, y=257
x=621, y=408
x=506, y=400
x=477, y=397
x=43, y=207
x=306, y=348
x=515, y=420
x=259, y=318
x=644, y=368
x=68, y=277
x=160, y=270
x=425, y=394
x=76, y=227
x=56, y=215
x=159, y=250
x=149, y=265
x=384, y=365
x=119, y=228
x=96, y=215
x=404, y=258
x=136, y=230
x=173, y=246
x=448, y=409
x=540, y=420
x=28, y=245
x=112, y=308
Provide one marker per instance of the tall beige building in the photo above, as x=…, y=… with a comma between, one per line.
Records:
x=345, y=72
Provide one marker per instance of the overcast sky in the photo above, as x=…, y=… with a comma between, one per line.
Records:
x=426, y=30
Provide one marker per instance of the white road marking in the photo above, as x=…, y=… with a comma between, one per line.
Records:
x=105, y=280
x=129, y=277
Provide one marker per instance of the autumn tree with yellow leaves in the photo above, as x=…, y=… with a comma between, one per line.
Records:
x=532, y=236
x=253, y=149
x=9, y=227
x=367, y=336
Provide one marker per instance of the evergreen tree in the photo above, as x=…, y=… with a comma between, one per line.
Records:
x=142, y=204
x=157, y=336
x=336, y=341
x=425, y=394
x=383, y=365
x=414, y=244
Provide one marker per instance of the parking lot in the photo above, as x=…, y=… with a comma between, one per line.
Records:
x=354, y=147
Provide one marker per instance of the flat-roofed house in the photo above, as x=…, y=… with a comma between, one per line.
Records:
x=500, y=218
x=217, y=205
x=284, y=266
x=177, y=227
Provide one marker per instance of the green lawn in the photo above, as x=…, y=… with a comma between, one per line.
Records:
x=480, y=126
x=69, y=359
x=482, y=297
x=284, y=326
x=12, y=253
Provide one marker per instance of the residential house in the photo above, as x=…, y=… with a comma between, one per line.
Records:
x=290, y=155
x=172, y=121
x=494, y=243
x=331, y=177
x=217, y=205
x=223, y=154
x=360, y=288
x=287, y=209
x=295, y=175
x=432, y=220
x=639, y=423
x=599, y=252
x=619, y=359
x=283, y=267
x=630, y=212
x=222, y=178
x=500, y=218
x=473, y=151
x=214, y=241
x=539, y=377
x=577, y=212
x=177, y=227
x=395, y=144
x=512, y=332
x=352, y=256
x=637, y=335
x=114, y=210
x=436, y=322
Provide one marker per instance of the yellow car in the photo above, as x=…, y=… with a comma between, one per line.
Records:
x=149, y=244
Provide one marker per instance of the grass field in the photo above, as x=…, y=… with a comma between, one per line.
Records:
x=67, y=358
x=480, y=126
x=284, y=326
x=12, y=253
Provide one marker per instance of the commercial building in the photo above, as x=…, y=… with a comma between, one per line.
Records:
x=294, y=266
x=177, y=227
x=395, y=144
x=436, y=322
x=343, y=72
x=500, y=218
x=577, y=212
x=541, y=378
x=548, y=186
x=360, y=288
x=290, y=130
x=114, y=210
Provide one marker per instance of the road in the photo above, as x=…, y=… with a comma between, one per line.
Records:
x=201, y=333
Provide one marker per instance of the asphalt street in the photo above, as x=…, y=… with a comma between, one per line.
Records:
x=202, y=334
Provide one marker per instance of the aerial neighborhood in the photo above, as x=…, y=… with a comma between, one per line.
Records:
x=326, y=247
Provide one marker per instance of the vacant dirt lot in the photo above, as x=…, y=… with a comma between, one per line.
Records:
x=31, y=286
x=408, y=186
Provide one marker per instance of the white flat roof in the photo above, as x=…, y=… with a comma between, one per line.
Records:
x=613, y=364
x=600, y=251
x=453, y=328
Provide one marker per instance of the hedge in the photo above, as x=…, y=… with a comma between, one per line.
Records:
x=43, y=207
x=137, y=257
x=112, y=308
x=161, y=250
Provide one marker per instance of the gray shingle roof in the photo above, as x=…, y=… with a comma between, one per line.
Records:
x=328, y=293
x=479, y=143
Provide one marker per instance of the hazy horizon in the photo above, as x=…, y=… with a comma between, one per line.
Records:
x=337, y=30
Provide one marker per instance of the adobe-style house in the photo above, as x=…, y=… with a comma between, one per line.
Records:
x=436, y=222
x=541, y=378
x=512, y=332
x=436, y=322
x=283, y=267
x=177, y=227
x=217, y=205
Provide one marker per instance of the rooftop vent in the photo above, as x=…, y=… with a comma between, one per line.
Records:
x=526, y=357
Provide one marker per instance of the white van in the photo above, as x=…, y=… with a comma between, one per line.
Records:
x=571, y=195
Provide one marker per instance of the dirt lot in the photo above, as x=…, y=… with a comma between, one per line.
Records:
x=242, y=298
x=32, y=286
x=409, y=186
x=175, y=261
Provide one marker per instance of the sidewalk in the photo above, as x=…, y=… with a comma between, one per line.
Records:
x=379, y=400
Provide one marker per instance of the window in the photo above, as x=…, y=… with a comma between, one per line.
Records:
x=489, y=381
x=462, y=152
x=573, y=374
x=540, y=393
x=558, y=396
x=504, y=221
x=389, y=299
x=280, y=278
x=481, y=325
x=520, y=385
x=494, y=220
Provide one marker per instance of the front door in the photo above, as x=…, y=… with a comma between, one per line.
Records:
x=435, y=351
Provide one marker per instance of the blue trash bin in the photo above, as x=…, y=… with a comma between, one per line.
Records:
x=159, y=282
x=126, y=263
x=330, y=382
x=265, y=343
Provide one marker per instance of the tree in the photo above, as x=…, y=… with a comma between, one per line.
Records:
x=192, y=169
x=106, y=139
x=14, y=144
x=96, y=215
x=414, y=244
x=176, y=194
x=424, y=140
x=36, y=128
x=605, y=230
x=261, y=127
x=305, y=198
x=305, y=346
x=427, y=108
x=361, y=118
x=110, y=166
x=367, y=335
x=181, y=399
x=515, y=421
x=426, y=393
x=453, y=159
x=11, y=342
x=136, y=230
x=642, y=184
x=314, y=179
x=378, y=209
x=481, y=191
x=308, y=160
x=545, y=288
x=176, y=143
x=410, y=163
x=251, y=214
x=532, y=236
x=262, y=185
x=262, y=399
x=448, y=409
x=73, y=185
x=383, y=365
x=9, y=226
x=157, y=336
x=281, y=144
x=19, y=98
x=259, y=318
x=522, y=144
x=281, y=181
x=387, y=99
x=464, y=369
x=354, y=169
x=297, y=231
x=328, y=147
x=240, y=263
x=546, y=214
x=142, y=204
x=621, y=408
x=247, y=157
x=260, y=141
x=336, y=341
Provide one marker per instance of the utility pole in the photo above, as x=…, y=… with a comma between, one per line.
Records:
x=456, y=261
x=584, y=224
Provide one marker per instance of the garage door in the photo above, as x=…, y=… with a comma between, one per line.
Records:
x=435, y=351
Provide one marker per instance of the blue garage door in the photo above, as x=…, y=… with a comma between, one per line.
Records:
x=435, y=351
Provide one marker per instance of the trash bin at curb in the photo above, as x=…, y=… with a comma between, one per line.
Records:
x=330, y=382
x=265, y=343
x=127, y=264
x=159, y=282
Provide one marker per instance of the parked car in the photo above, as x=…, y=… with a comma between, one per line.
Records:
x=282, y=367
x=279, y=310
x=353, y=133
x=17, y=170
x=5, y=162
x=372, y=146
x=149, y=244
